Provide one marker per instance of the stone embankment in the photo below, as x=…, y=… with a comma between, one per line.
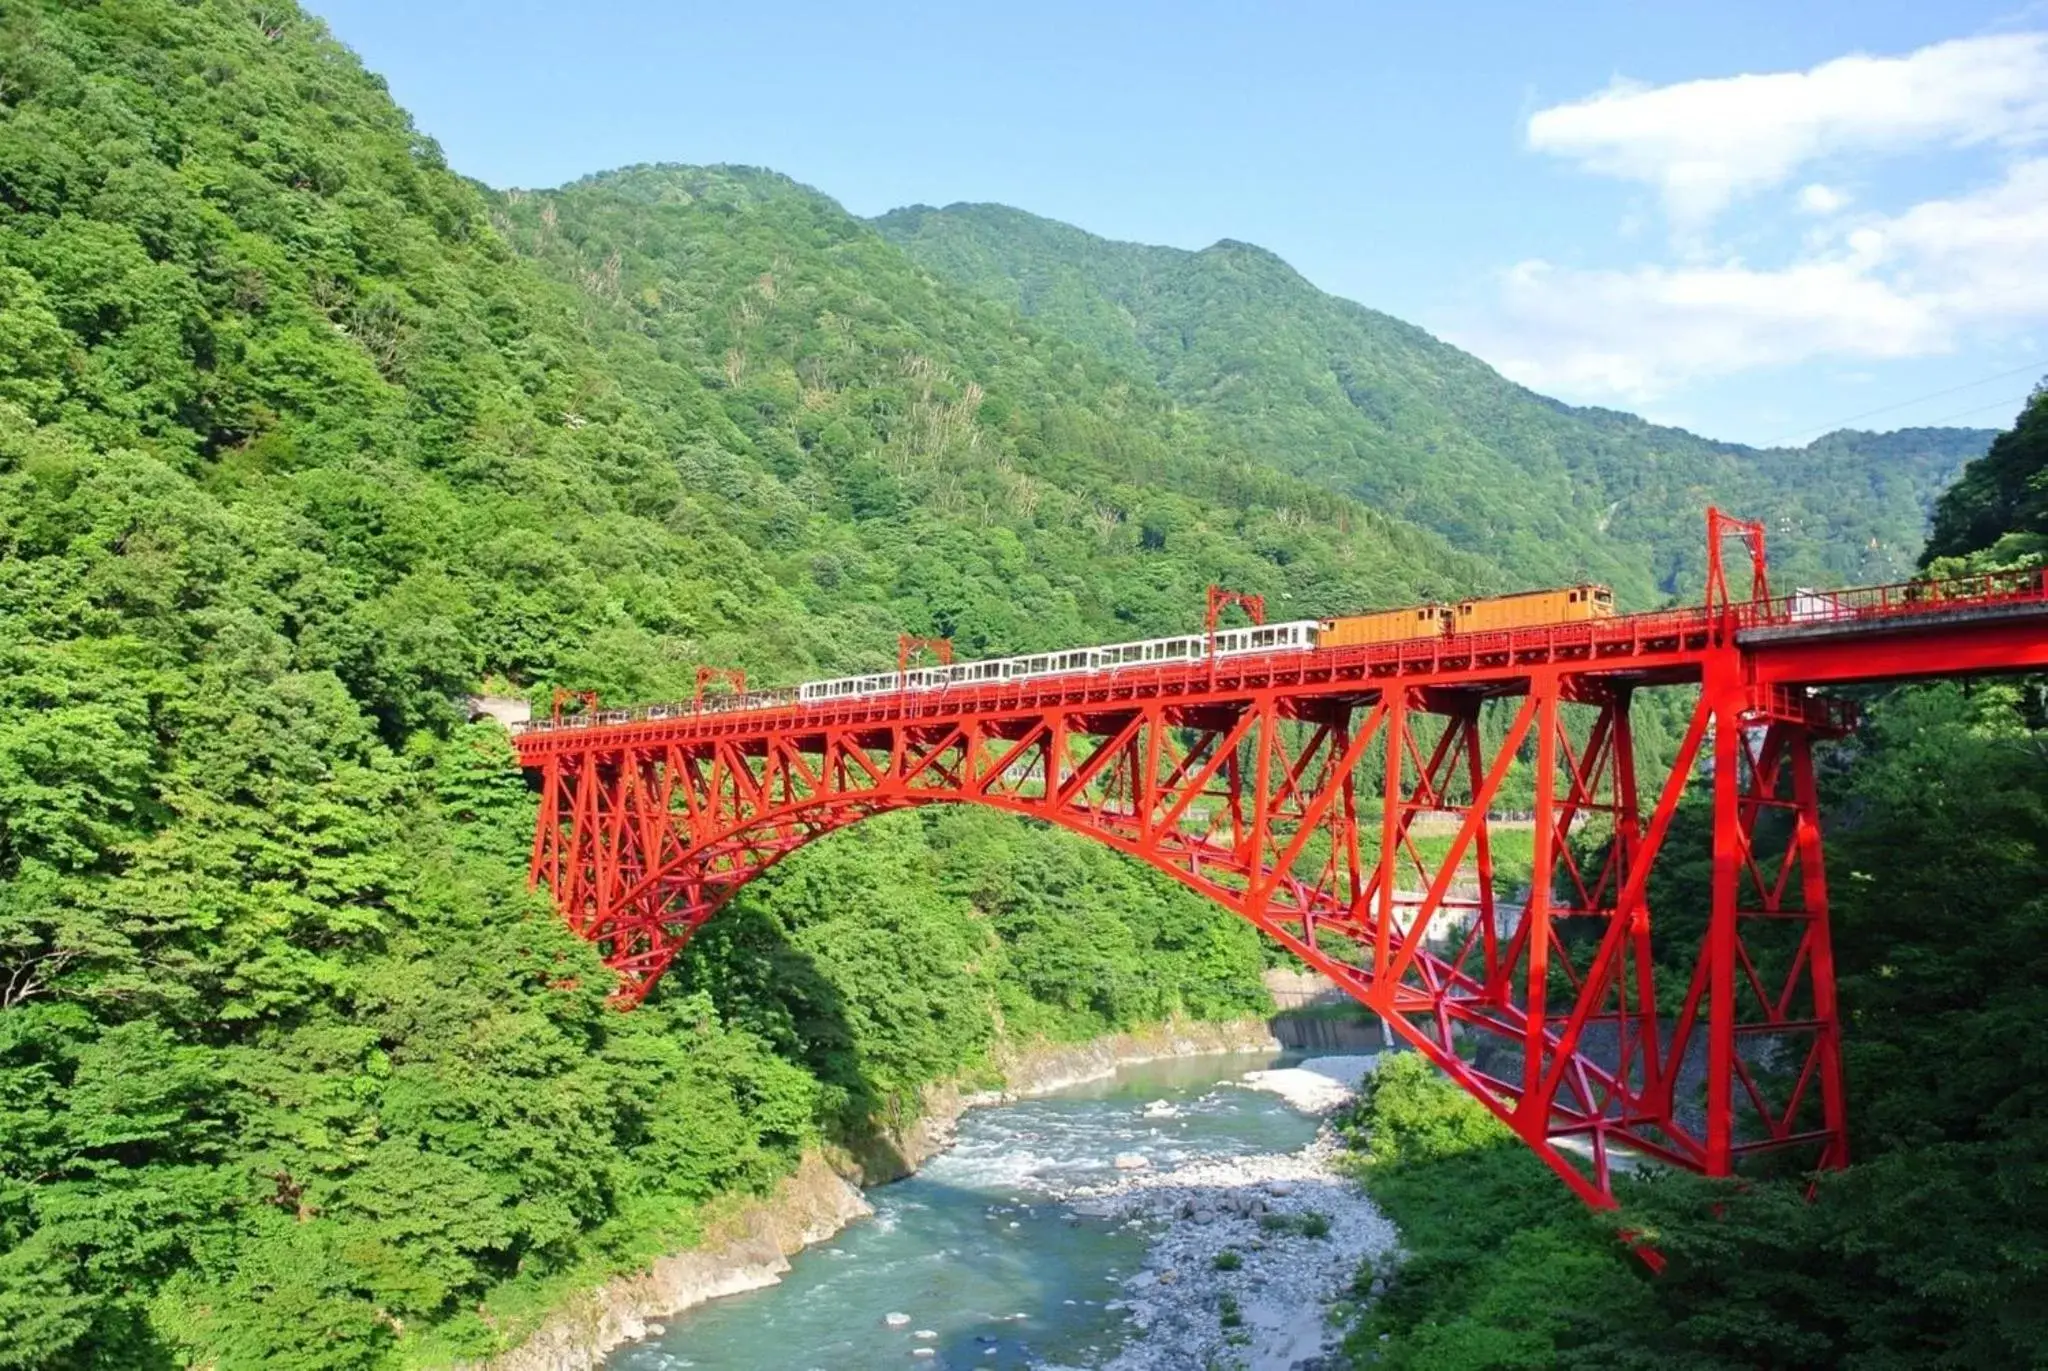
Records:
x=749, y=1245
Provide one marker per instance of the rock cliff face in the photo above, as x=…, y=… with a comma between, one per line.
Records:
x=1317, y=1016
x=750, y=1247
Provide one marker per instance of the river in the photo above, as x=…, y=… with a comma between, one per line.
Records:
x=1041, y=1239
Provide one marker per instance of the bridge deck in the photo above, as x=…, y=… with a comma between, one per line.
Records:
x=1976, y=624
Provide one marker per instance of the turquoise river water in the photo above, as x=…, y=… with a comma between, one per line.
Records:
x=975, y=1249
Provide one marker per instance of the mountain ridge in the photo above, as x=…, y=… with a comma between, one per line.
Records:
x=1378, y=407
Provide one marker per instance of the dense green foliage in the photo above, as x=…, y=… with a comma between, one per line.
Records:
x=302, y=437
x=2000, y=506
x=294, y=449
x=900, y=455
x=1370, y=405
x=1932, y=1249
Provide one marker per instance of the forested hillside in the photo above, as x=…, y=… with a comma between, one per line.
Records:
x=1370, y=405
x=1931, y=1250
x=296, y=447
x=303, y=436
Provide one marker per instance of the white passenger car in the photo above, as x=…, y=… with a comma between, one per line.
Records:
x=1297, y=635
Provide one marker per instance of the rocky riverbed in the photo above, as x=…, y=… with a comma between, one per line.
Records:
x=1247, y=1253
x=1176, y=1217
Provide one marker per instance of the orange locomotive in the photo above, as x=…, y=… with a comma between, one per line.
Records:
x=1529, y=609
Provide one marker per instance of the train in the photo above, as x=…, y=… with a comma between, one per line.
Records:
x=1528, y=609
x=1524, y=609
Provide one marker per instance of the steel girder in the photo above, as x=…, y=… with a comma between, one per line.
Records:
x=1322, y=819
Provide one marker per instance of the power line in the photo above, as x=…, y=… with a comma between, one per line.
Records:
x=2000, y=404
x=2036, y=366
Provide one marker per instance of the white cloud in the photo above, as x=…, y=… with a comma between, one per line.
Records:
x=1908, y=285
x=1819, y=199
x=1980, y=257
x=1634, y=334
x=1706, y=143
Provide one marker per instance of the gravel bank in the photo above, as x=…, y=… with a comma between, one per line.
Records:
x=1247, y=1253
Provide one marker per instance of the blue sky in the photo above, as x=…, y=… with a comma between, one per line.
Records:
x=1754, y=220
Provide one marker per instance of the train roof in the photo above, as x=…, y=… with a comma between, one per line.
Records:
x=1547, y=590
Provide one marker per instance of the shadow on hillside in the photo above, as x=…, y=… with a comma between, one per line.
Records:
x=765, y=984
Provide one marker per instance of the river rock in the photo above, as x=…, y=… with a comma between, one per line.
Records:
x=815, y=1203
x=1131, y=1161
x=895, y=1320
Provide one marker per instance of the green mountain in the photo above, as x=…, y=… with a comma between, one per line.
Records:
x=1366, y=404
x=302, y=437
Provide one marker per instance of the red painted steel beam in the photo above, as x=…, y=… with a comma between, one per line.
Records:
x=1888, y=652
x=642, y=841
x=1292, y=789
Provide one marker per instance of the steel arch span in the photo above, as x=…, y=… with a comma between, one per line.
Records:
x=1274, y=805
x=1347, y=802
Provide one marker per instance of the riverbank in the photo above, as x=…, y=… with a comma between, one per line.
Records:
x=748, y=1244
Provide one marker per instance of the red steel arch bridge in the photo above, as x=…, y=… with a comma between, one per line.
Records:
x=1346, y=801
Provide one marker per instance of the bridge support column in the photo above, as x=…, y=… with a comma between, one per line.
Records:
x=1765, y=987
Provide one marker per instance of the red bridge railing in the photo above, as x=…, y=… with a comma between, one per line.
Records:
x=1985, y=590
x=1800, y=608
